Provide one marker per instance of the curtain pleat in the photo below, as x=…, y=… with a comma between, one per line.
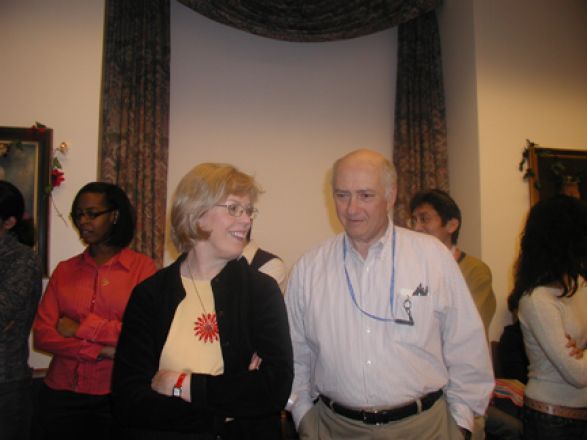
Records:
x=420, y=149
x=135, y=112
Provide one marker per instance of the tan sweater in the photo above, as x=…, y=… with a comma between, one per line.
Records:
x=478, y=277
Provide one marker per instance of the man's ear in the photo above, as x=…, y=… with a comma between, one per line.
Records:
x=452, y=225
x=391, y=199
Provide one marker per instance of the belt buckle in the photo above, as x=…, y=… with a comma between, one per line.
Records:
x=368, y=417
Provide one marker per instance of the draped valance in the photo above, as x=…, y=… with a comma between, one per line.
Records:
x=311, y=21
x=136, y=74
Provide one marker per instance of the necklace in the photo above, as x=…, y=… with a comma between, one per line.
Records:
x=205, y=326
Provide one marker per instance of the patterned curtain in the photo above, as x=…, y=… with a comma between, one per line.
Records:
x=135, y=95
x=420, y=150
x=135, y=112
x=324, y=20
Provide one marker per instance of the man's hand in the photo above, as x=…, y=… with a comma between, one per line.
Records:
x=67, y=327
x=575, y=351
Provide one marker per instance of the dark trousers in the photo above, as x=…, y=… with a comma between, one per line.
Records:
x=15, y=410
x=68, y=415
x=541, y=426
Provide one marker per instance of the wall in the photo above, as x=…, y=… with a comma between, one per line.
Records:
x=460, y=84
x=282, y=111
x=51, y=72
x=527, y=61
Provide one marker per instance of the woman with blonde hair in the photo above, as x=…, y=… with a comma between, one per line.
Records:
x=205, y=350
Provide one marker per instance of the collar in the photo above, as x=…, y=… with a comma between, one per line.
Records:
x=376, y=247
x=122, y=259
x=249, y=251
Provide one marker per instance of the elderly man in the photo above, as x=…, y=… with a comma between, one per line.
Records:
x=387, y=343
x=434, y=212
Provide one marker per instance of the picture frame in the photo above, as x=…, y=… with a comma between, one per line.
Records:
x=25, y=161
x=556, y=171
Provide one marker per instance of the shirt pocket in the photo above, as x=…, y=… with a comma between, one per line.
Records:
x=414, y=318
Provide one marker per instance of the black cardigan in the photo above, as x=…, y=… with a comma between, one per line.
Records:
x=251, y=318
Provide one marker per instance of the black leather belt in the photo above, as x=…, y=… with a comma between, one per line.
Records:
x=376, y=417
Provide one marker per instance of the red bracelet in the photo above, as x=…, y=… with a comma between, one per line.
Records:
x=177, y=387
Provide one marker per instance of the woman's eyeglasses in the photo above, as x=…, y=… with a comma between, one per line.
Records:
x=237, y=210
x=92, y=215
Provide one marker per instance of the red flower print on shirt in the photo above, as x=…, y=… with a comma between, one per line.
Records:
x=206, y=327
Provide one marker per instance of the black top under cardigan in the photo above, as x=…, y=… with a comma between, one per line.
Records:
x=251, y=318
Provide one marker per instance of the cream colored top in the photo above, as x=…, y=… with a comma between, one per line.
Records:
x=275, y=267
x=554, y=376
x=193, y=343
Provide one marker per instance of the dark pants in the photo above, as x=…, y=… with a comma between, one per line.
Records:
x=260, y=429
x=541, y=426
x=69, y=415
x=15, y=410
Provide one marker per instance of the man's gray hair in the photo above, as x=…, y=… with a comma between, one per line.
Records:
x=388, y=172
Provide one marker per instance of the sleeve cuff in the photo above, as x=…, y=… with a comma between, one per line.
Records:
x=90, y=351
x=299, y=410
x=462, y=415
x=88, y=328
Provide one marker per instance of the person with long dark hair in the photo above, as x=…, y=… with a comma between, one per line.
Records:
x=20, y=291
x=550, y=293
x=80, y=316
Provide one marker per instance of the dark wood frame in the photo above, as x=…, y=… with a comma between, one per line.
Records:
x=41, y=141
x=545, y=182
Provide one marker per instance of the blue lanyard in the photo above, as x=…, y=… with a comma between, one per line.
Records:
x=407, y=303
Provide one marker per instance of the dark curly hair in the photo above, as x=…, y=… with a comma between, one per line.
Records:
x=124, y=230
x=553, y=248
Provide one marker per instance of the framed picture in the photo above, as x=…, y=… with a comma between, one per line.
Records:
x=25, y=161
x=557, y=171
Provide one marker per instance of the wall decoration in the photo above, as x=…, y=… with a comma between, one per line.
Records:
x=26, y=162
x=552, y=171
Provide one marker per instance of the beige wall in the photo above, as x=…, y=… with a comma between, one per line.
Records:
x=460, y=83
x=524, y=66
x=51, y=68
x=281, y=111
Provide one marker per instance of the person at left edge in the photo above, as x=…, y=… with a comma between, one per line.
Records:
x=20, y=291
x=205, y=351
x=80, y=316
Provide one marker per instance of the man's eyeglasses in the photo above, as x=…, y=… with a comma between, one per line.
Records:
x=423, y=219
x=92, y=215
x=237, y=210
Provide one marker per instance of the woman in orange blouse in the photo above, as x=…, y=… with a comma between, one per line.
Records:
x=79, y=318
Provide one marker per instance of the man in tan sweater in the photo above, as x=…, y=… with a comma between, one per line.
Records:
x=435, y=213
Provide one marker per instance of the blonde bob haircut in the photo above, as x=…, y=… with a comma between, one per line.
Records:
x=199, y=190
